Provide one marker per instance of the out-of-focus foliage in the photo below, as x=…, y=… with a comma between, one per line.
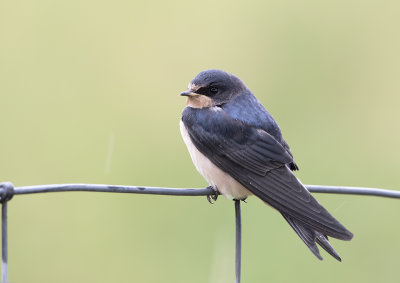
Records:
x=89, y=93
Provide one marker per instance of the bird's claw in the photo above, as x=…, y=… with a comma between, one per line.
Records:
x=212, y=198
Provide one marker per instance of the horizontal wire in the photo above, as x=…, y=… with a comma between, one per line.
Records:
x=7, y=190
x=188, y=191
x=112, y=189
x=353, y=191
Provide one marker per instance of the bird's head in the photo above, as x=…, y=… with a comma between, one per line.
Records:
x=213, y=87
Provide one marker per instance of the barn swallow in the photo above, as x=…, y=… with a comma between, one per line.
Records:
x=237, y=146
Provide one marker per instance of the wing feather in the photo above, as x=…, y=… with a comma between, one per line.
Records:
x=261, y=164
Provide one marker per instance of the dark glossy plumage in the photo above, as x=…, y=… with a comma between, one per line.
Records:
x=240, y=137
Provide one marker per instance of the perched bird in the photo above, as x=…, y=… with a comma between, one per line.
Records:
x=238, y=148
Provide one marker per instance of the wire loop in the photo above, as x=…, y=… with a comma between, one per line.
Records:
x=6, y=191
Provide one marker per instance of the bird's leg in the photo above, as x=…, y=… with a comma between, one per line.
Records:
x=214, y=196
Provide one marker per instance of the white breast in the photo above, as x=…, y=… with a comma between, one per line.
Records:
x=225, y=184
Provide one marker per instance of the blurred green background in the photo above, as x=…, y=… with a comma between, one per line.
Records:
x=89, y=93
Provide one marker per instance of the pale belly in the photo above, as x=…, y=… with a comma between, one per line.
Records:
x=217, y=178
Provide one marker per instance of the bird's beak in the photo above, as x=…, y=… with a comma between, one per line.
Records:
x=188, y=93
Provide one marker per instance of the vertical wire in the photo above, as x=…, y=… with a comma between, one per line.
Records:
x=4, y=251
x=238, y=256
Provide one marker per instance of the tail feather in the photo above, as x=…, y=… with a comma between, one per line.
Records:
x=322, y=240
x=310, y=237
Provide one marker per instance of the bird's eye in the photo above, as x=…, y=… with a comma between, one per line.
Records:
x=213, y=89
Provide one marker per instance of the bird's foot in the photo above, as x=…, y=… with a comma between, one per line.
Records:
x=244, y=200
x=212, y=198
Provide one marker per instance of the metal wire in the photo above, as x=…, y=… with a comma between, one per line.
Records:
x=112, y=189
x=353, y=191
x=238, y=255
x=6, y=194
x=186, y=191
x=7, y=190
x=4, y=244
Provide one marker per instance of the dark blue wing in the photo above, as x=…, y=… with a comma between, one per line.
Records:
x=259, y=162
x=215, y=132
x=258, y=117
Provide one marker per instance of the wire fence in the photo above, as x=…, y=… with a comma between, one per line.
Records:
x=7, y=191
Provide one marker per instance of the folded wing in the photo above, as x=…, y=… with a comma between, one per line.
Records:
x=260, y=163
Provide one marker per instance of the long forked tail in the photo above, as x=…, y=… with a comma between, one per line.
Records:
x=310, y=237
